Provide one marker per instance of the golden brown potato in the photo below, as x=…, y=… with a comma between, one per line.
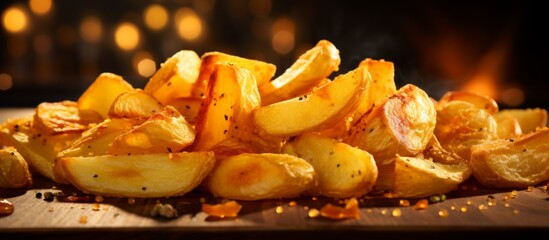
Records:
x=403, y=124
x=508, y=127
x=14, y=170
x=225, y=113
x=64, y=116
x=317, y=110
x=164, y=132
x=481, y=101
x=437, y=153
x=310, y=69
x=343, y=171
x=101, y=93
x=251, y=176
x=460, y=125
x=382, y=85
x=188, y=107
x=37, y=148
x=135, y=103
x=516, y=162
x=529, y=119
x=175, y=78
x=142, y=176
x=262, y=71
x=418, y=178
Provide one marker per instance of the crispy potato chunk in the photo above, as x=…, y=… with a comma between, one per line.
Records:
x=460, y=125
x=508, y=127
x=481, y=101
x=64, y=116
x=437, y=153
x=262, y=71
x=188, y=107
x=251, y=176
x=351, y=210
x=529, y=119
x=222, y=210
x=308, y=70
x=175, y=78
x=14, y=170
x=101, y=93
x=164, y=132
x=343, y=171
x=518, y=162
x=418, y=178
x=403, y=124
x=142, y=176
x=321, y=108
x=135, y=103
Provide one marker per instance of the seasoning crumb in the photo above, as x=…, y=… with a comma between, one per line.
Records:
x=96, y=207
x=396, y=212
x=164, y=210
x=83, y=220
x=443, y=213
x=99, y=198
x=279, y=209
x=131, y=200
x=404, y=203
x=313, y=213
x=292, y=204
x=48, y=196
x=38, y=195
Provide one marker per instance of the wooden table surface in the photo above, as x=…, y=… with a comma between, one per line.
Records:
x=469, y=214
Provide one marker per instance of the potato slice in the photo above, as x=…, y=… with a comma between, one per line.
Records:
x=188, y=107
x=101, y=93
x=14, y=170
x=529, y=119
x=251, y=176
x=509, y=163
x=64, y=116
x=262, y=71
x=481, y=101
x=403, y=124
x=382, y=85
x=135, y=103
x=37, y=148
x=343, y=171
x=142, y=176
x=418, y=178
x=508, y=127
x=164, y=132
x=175, y=78
x=308, y=70
x=460, y=125
x=225, y=113
x=321, y=108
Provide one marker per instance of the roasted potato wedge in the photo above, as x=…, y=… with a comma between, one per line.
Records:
x=460, y=125
x=321, y=108
x=262, y=71
x=529, y=119
x=403, y=124
x=188, y=107
x=135, y=103
x=311, y=68
x=175, y=78
x=231, y=97
x=100, y=95
x=418, y=178
x=142, y=176
x=508, y=163
x=14, y=170
x=164, y=132
x=252, y=176
x=62, y=117
x=437, y=153
x=508, y=127
x=37, y=148
x=343, y=171
x=481, y=101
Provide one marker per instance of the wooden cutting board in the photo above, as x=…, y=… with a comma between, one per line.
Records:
x=469, y=213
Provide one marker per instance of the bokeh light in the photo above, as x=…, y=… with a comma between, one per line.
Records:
x=40, y=7
x=6, y=82
x=126, y=36
x=188, y=24
x=283, y=35
x=91, y=29
x=15, y=19
x=512, y=96
x=42, y=44
x=155, y=16
x=144, y=64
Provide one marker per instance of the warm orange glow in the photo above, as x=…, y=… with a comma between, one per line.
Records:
x=188, y=24
x=144, y=64
x=40, y=7
x=5, y=82
x=42, y=44
x=17, y=47
x=512, y=96
x=66, y=35
x=260, y=8
x=126, y=36
x=155, y=16
x=283, y=35
x=14, y=19
x=204, y=6
x=91, y=29
x=482, y=84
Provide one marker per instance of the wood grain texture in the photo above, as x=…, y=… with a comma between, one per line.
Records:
x=528, y=212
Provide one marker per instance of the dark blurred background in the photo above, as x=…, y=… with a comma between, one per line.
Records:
x=51, y=50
